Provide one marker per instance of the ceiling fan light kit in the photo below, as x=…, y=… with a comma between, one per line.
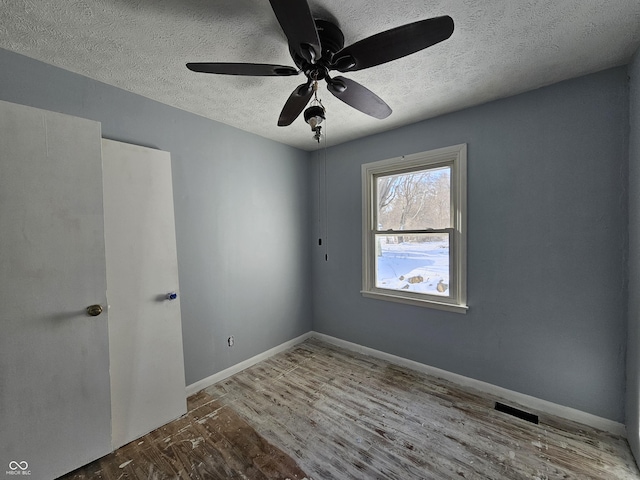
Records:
x=317, y=48
x=314, y=116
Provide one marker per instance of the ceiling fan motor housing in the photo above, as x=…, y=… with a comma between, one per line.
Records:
x=331, y=40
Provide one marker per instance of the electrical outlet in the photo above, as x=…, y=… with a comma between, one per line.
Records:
x=230, y=341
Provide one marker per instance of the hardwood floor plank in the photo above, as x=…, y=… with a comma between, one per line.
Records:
x=321, y=412
x=416, y=426
x=210, y=442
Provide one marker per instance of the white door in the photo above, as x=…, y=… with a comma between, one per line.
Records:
x=145, y=332
x=54, y=358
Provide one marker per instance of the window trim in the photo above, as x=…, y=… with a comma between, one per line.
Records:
x=454, y=156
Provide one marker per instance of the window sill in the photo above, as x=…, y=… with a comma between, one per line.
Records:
x=415, y=301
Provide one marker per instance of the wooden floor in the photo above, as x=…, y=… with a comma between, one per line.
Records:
x=320, y=412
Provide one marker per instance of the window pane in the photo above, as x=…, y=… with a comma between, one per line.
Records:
x=415, y=200
x=414, y=263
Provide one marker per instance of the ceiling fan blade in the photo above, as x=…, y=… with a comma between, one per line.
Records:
x=393, y=44
x=295, y=104
x=359, y=97
x=250, y=69
x=298, y=25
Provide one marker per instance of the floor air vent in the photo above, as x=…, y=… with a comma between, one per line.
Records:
x=529, y=417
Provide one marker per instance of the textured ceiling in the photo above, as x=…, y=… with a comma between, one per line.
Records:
x=499, y=48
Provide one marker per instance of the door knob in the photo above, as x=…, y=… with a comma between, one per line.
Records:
x=94, y=310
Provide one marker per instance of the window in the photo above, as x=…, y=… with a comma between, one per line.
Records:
x=414, y=229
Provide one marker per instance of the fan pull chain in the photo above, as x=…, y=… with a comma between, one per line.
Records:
x=323, y=201
x=326, y=200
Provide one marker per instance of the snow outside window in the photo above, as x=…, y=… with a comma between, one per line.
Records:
x=414, y=229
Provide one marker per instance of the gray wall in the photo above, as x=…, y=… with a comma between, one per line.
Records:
x=633, y=345
x=547, y=233
x=241, y=210
x=547, y=236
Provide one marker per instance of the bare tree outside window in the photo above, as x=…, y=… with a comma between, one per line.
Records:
x=417, y=200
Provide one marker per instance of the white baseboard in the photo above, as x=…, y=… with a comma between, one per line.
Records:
x=217, y=377
x=524, y=400
x=521, y=399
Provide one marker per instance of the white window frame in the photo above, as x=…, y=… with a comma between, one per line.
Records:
x=456, y=158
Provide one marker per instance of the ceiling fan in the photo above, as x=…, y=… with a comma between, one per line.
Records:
x=317, y=47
